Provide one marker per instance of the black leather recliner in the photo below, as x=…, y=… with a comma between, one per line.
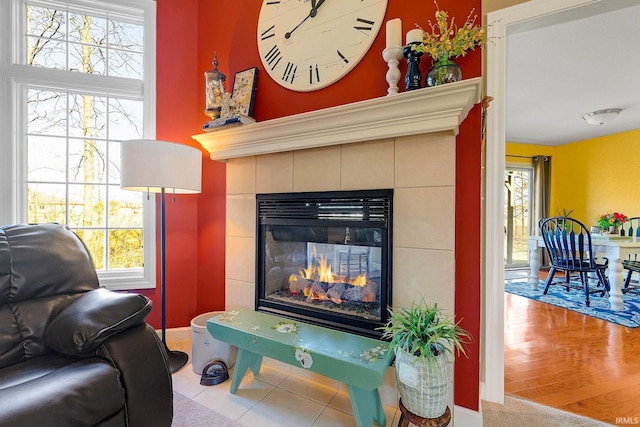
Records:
x=72, y=353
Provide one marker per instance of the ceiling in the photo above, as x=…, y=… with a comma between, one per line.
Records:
x=565, y=65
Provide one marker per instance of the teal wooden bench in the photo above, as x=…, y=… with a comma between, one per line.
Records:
x=359, y=362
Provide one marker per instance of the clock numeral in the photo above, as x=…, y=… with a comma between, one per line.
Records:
x=364, y=25
x=314, y=73
x=272, y=2
x=273, y=57
x=289, y=72
x=269, y=32
x=342, y=57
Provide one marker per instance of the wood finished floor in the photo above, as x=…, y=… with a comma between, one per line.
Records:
x=570, y=361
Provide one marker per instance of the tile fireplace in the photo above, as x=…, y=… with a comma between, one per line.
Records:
x=406, y=142
x=325, y=257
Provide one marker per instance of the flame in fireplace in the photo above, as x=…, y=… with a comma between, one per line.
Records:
x=323, y=273
x=360, y=280
x=320, y=283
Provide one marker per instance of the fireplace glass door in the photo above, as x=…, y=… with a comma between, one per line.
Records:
x=325, y=258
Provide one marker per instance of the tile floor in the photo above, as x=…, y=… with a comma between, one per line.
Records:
x=280, y=396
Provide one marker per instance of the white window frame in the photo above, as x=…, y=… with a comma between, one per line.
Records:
x=529, y=168
x=14, y=77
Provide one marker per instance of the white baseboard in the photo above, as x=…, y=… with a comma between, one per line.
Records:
x=463, y=417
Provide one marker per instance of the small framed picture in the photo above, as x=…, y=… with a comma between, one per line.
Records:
x=244, y=91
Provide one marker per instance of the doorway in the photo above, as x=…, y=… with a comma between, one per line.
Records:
x=501, y=23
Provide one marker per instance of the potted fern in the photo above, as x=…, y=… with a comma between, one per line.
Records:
x=424, y=341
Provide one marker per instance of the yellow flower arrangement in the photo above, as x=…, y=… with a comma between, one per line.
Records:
x=447, y=40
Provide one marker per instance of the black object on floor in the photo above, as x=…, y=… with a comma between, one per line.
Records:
x=214, y=373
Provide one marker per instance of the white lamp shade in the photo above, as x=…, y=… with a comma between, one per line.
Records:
x=149, y=165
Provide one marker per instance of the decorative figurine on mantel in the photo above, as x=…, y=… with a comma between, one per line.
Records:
x=413, y=80
x=214, y=80
x=393, y=53
x=228, y=106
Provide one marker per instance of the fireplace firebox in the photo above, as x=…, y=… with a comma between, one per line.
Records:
x=325, y=257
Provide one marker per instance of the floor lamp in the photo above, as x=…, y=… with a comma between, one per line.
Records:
x=161, y=167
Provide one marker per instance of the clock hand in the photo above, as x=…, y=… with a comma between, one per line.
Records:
x=315, y=5
x=288, y=35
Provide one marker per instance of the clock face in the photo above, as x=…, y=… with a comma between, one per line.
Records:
x=306, y=45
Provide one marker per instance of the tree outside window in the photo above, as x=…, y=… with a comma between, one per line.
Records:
x=73, y=136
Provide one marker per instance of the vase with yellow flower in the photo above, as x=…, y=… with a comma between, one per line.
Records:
x=445, y=40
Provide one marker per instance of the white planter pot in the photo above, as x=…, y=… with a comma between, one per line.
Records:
x=424, y=390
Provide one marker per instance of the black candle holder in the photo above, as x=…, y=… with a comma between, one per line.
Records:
x=413, y=79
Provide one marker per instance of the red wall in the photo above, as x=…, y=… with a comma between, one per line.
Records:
x=194, y=223
x=188, y=34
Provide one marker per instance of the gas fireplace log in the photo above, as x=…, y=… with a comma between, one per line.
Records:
x=316, y=292
x=365, y=293
x=353, y=294
x=337, y=292
x=298, y=284
x=369, y=293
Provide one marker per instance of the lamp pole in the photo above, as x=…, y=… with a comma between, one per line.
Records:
x=163, y=267
x=177, y=359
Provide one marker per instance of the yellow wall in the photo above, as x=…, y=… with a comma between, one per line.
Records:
x=599, y=175
x=593, y=176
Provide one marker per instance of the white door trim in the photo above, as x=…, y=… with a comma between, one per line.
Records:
x=501, y=23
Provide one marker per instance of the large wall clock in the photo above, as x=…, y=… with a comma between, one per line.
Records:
x=306, y=45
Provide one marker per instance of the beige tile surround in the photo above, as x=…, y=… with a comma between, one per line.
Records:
x=420, y=169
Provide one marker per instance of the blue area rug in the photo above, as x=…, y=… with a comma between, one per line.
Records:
x=600, y=308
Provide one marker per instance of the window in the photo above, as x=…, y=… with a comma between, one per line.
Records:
x=79, y=77
x=517, y=203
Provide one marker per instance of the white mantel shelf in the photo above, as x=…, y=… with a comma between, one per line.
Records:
x=436, y=109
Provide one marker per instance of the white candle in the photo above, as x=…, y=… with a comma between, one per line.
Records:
x=394, y=32
x=414, y=35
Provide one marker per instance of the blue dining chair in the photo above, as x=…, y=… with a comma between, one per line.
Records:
x=568, y=244
x=631, y=227
x=632, y=265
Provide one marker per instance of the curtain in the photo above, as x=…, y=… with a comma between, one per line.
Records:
x=541, y=191
x=541, y=197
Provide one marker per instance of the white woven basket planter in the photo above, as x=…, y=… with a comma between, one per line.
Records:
x=424, y=390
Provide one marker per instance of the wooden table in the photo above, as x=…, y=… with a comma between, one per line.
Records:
x=615, y=248
x=357, y=361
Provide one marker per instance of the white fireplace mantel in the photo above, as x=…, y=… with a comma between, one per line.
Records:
x=436, y=109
